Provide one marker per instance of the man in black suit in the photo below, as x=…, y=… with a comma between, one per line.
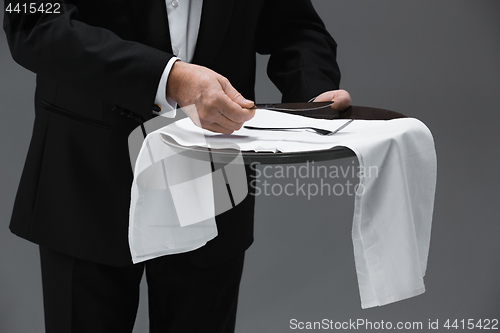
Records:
x=98, y=66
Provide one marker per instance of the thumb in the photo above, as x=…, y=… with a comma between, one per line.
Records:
x=325, y=97
x=235, y=95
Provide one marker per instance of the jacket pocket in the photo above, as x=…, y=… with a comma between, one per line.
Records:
x=72, y=115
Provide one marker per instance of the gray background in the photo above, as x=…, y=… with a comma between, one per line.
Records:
x=437, y=61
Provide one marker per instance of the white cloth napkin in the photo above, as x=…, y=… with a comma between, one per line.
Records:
x=393, y=208
x=166, y=188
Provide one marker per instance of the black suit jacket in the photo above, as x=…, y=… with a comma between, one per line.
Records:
x=98, y=64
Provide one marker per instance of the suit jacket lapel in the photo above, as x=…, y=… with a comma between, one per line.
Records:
x=151, y=23
x=215, y=19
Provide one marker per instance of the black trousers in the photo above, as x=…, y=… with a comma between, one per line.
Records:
x=87, y=297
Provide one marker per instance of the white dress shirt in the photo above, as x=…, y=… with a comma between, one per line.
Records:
x=184, y=18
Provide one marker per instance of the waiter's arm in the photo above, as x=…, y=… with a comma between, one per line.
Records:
x=303, y=54
x=88, y=58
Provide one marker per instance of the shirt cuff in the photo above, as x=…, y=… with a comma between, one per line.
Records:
x=166, y=105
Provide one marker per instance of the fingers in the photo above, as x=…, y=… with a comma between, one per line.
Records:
x=341, y=99
x=217, y=128
x=325, y=97
x=219, y=109
x=234, y=95
x=218, y=105
x=219, y=113
x=235, y=107
x=233, y=112
x=218, y=116
x=226, y=110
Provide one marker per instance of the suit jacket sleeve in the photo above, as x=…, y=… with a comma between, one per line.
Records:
x=303, y=54
x=89, y=58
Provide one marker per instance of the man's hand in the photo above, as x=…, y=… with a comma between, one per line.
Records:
x=219, y=106
x=341, y=98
